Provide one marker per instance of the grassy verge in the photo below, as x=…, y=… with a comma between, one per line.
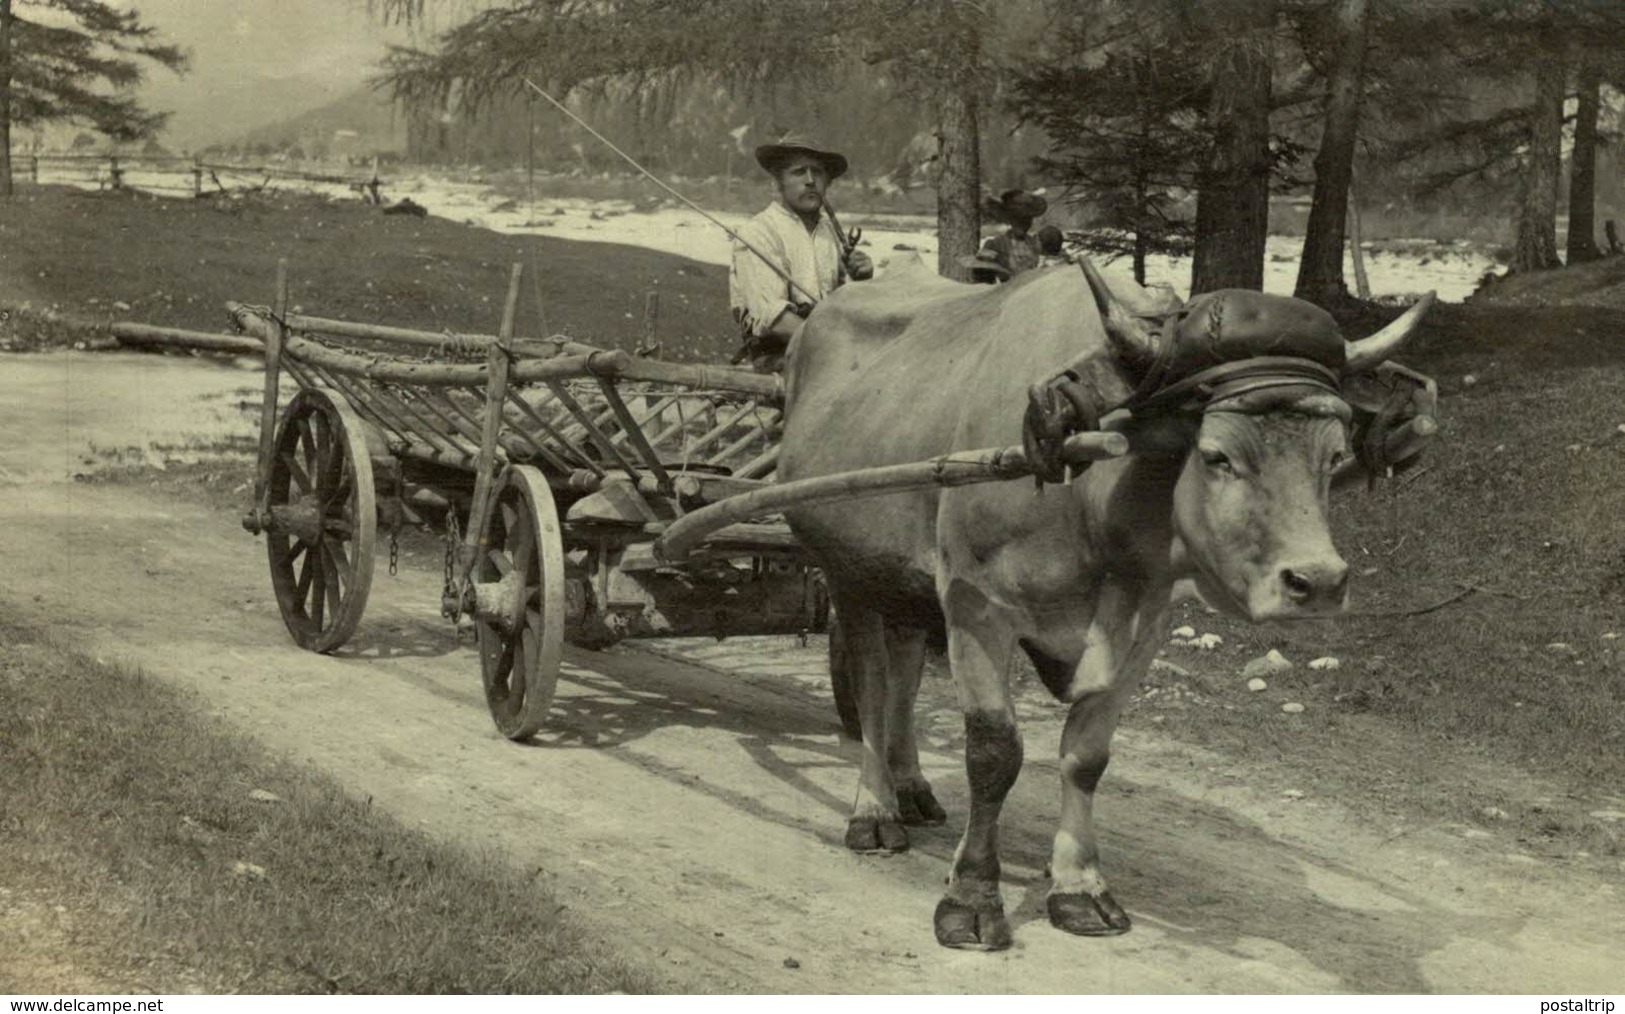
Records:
x=73, y=257
x=222, y=484
x=120, y=798
x=1510, y=532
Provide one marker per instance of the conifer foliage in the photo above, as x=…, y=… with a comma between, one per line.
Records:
x=79, y=61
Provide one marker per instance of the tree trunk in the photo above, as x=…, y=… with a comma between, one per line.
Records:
x=1362, y=284
x=959, y=186
x=5, y=98
x=1320, y=270
x=1141, y=247
x=1233, y=199
x=1142, y=186
x=1536, y=247
x=1582, y=245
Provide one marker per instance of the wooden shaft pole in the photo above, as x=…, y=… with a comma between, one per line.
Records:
x=959, y=469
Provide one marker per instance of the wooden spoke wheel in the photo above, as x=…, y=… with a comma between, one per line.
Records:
x=520, y=605
x=323, y=520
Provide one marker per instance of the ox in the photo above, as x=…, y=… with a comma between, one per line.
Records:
x=1226, y=482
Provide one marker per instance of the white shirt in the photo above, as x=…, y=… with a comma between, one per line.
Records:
x=756, y=293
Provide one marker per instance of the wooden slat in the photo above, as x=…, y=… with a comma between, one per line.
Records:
x=609, y=450
x=717, y=432
x=727, y=453
x=561, y=425
x=582, y=456
x=758, y=467
x=635, y=435
x=415, y=423
x=404, y=433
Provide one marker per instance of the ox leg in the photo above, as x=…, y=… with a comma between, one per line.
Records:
x=874, y=825
x=971, y=913
x=1079, y=901
x=1123, y=639
x=905, y=659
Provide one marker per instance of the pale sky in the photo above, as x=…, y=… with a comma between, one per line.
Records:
x=258, y=61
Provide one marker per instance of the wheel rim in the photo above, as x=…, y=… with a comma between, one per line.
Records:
x=320, y=481
x=520, y=653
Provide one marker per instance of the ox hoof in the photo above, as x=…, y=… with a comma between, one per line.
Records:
x=1086, y=915
x=968, y=928
x=918, y=807
x=876, y=835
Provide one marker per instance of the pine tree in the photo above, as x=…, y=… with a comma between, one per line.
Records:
x=79, y=62
x=1119, y=106
x=1582, y=241
x=1232, y=198
x=1536, y=246
x=1320, y=270
x=945, y=54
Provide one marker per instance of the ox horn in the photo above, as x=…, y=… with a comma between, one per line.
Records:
x=1369, y=353
x=1134, y=343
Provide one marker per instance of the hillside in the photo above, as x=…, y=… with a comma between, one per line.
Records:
x=360, y=122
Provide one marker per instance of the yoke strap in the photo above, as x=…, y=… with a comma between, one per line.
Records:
x=1229, y=380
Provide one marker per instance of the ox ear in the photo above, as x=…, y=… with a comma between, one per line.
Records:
x=1133, y=342
x=1368, y=353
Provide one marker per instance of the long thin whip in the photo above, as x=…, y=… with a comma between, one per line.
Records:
x=668, y=189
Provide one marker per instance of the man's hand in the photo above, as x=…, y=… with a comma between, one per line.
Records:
x=859, y=266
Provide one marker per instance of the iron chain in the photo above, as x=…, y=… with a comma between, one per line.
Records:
x=394, y=550
x=452, y=538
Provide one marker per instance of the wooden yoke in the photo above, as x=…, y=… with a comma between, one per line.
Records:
x=273, y=380
x=498, y=360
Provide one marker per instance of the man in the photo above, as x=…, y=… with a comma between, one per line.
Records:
x=1017, y=249
x=985, y=268
x=1051, y=246
x=794, y=237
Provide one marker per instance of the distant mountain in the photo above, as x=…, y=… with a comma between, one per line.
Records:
x=359, y=122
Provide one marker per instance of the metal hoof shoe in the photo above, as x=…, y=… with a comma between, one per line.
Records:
x=960, y=926
x=876, y=836
x=1088, y=916
x=919, y=808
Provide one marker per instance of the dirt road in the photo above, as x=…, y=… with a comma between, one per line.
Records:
x=690, y=803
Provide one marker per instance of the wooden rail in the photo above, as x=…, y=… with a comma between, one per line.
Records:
x=697, y=376
x=146, y=336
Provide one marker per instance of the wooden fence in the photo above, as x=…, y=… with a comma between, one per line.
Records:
x=178, y=174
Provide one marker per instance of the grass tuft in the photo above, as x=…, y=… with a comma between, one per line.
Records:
x=118, y=788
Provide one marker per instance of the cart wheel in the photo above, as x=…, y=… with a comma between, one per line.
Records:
x=519, y=590
x=325, y=519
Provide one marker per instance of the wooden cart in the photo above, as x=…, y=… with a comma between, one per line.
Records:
x=586, y=495
x=551, y=465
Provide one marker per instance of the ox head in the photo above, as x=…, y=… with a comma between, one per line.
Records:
x=1261, y=377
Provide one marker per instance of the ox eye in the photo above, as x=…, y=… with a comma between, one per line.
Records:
x=1338, y=457
x=1218, y=461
